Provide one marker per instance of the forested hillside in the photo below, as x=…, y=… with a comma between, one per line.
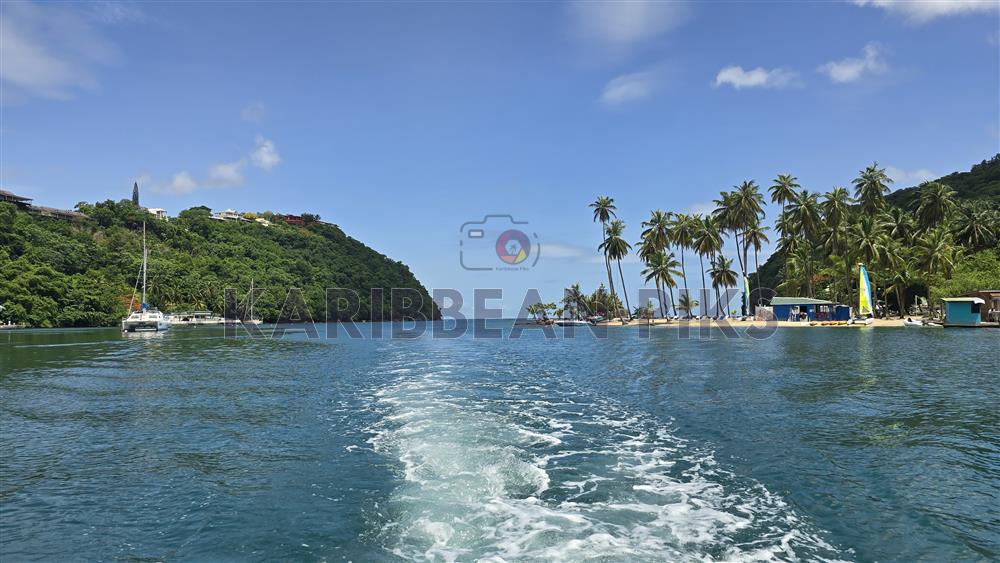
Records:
x=58, y=273
x=949, y=225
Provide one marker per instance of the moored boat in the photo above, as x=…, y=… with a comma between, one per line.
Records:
x=146, y=319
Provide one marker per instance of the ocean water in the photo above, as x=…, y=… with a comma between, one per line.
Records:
x=813, y=444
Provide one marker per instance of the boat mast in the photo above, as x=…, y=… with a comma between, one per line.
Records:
x=143, y=303
x=251, y=299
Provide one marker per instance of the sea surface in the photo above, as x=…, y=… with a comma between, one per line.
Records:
x=813, y=444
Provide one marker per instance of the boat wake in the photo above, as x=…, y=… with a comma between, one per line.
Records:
x=499, y=468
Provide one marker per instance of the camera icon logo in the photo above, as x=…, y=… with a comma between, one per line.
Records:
x=499, y=236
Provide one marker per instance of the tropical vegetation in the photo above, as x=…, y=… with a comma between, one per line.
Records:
x=55, y=273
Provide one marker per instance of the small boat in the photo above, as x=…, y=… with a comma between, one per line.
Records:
x=913, y=323
x=145, y=319
x=572, y=322
x=864, y=299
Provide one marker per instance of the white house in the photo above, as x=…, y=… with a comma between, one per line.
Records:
x=229, y=215
x=157, y=212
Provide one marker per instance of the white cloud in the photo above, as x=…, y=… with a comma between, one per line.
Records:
x=619, y=24
x=555, y=250
x=700, y=208
x=922, y=11
x=628, y=88
x=49, y=51
x=226, y=174
x=903, y=178
x=851, y=69
x=222, y=175
x=182, y=183
x=265, y=154
x=254, y=111
x=758, y=77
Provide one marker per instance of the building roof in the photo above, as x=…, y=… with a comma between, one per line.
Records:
x=11, y=195
x=799, y=301
x=965, y=299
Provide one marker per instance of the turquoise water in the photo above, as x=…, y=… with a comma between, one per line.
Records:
x=835, y=444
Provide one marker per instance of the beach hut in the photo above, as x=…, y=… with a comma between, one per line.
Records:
x=963, y=311
x=991, y=307
x=793, y=309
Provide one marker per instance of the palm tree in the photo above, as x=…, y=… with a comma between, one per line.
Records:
x=687, y=304
x=573, y=300
x=661, y=269
x=972, y=228
x=935, y=254
x=722, y=276
x=707, y=242
x=784, y=189
x=870, y=188
x=899, y=224
x=604, y=209
x=749, y=210
x=836, y=205
x=802, y=266
x=756, y=236
x=682, y=233
x=616, y=248
x=900, y=275
x=657, y=230
x=936, y=203
x=870, y=240
x=806, y=215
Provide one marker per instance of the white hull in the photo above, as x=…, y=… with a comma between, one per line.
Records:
x=571, y=322
x=145, y=321
x=144, y=326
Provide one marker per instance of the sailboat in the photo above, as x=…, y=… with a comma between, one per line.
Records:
x=145, y=319
x=251, y=319
x=864, y=298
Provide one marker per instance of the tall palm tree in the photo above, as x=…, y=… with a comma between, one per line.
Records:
x=724, y=277
x=657, y=230
x=936, y=203
x=749, y=210
x=707, y=242
x=604, y=209
x=784, y=189
x=806, y=215
x=835, y=206
x=756, y=236
x=682, y=236
x=869, y=240
x=617, y=248
x=661, y=269
x=900, y=274
x=935, y=254
x=870, y=188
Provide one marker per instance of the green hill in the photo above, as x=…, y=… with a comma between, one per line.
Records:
x=981, y=182
x=60, y=273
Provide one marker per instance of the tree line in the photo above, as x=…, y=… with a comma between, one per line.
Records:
x=932, y=244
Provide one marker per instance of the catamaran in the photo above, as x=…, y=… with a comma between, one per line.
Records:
x=145, y=319
x=864, y=298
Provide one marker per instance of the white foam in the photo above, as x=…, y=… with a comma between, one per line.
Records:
x=490, y=478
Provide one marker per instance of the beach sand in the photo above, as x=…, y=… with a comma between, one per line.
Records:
x=879, y=323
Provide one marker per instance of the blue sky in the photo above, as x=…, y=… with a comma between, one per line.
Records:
x=400, y=122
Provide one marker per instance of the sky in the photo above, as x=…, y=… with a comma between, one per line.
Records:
x=402, y=122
